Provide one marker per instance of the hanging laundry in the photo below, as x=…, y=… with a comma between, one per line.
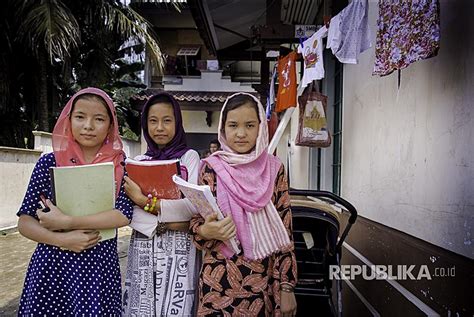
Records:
x=271, y=94
x=408, y=31
x=334, y=34
x=286, y=96
x=272, y=117
x=349, y=33
x=312, y=51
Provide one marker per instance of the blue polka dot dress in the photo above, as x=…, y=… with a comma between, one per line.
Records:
x=65, y=283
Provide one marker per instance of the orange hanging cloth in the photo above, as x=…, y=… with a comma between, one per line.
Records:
x=286, y=96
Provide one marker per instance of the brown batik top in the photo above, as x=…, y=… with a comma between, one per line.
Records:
x=238, y=286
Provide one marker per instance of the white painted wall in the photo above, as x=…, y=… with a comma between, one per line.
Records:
x=208, y=81
x=131, y=148
x=16, y=166
x=195, y=121
x=299, y=157
x=408, y=153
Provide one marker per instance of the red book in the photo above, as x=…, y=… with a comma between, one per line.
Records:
x=155, y=177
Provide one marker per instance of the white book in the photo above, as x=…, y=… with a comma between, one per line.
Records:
x=85, y=190
x=204, y=203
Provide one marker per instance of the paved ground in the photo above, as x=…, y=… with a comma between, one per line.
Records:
x=15, y=255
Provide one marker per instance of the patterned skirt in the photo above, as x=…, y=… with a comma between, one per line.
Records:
x=161, y=277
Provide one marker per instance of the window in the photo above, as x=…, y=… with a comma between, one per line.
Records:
x=188, y=51
x=188, y=56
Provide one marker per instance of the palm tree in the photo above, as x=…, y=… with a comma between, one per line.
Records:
x=53, y=31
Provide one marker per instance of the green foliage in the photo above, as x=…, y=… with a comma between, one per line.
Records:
x=52, y=48
x=50, y=25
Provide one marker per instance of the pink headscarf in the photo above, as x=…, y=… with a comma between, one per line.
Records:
x=67, y=151
x=245, y=185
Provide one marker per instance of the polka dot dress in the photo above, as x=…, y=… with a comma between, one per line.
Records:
x=64, y=283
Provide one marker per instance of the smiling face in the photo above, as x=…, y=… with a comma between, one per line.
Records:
x=90, y=124
x=241, y=128
x=161, y=123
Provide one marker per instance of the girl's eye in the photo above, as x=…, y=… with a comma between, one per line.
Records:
x=152, y=121
x=78, y=117
x=232, y=125
x=167, y=120
x=250, y=125
x=100, y=119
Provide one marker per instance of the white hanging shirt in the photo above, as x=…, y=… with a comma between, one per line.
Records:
x=349, y=33
x=334, y=34
x=312, y=51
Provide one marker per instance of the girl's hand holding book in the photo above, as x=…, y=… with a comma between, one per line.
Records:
x=214, y=229
x=134, y=192
x=79, y=240
x=54, y=219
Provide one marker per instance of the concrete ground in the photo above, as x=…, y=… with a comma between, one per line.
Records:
x=16, y=252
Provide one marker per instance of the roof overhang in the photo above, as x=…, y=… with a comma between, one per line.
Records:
x=242, y=29
x=188, y=100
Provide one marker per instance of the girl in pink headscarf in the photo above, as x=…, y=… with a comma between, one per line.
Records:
x=252, y=191
x=71, y=273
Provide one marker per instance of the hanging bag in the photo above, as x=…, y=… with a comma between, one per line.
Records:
x=312, y=124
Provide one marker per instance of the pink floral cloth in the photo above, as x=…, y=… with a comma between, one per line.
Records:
x=408, y=31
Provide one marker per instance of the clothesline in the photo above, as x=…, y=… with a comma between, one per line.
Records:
x=406, y=32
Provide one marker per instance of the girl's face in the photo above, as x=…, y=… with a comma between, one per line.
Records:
x=213, y=147
x=241, y=128
x=161, y=123
x=90, y=124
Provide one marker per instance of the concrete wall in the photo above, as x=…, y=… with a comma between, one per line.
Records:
x=16, y=166
x=408, y=153
x=43, y=141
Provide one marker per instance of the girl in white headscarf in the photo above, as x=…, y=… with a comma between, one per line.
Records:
x=252, y=191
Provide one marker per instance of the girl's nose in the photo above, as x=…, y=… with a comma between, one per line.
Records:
x=241, y=133
x=160, y=126
x=89, y=125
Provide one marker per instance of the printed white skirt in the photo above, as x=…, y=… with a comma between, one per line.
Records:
x=162, y=275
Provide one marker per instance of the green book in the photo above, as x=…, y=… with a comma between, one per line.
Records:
x=85, y=190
